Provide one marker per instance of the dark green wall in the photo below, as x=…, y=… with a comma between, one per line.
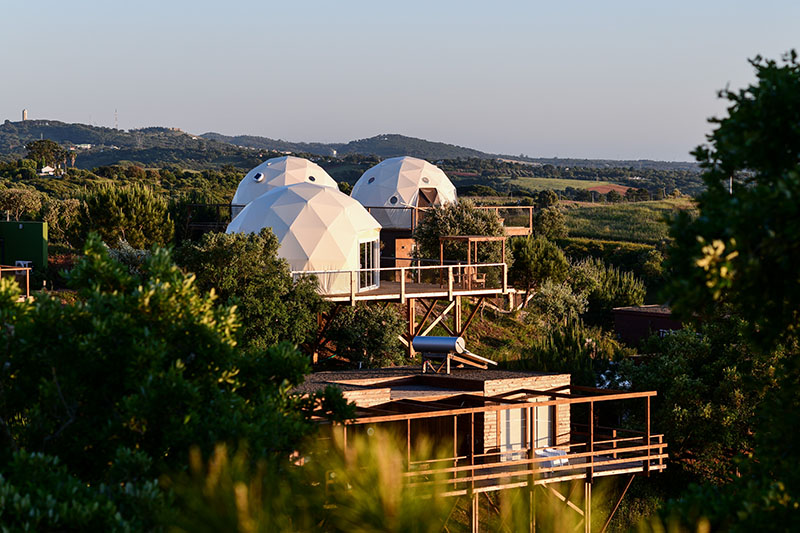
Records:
x=23, y=241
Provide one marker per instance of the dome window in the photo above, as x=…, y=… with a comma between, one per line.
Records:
x=425, y=179
x=371, y=179
x=393, y=200
x=259, y=177
x=312, y=178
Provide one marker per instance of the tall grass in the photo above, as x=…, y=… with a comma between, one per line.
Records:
x=360, y=490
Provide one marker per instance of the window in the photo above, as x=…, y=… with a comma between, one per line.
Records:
x=312, y=178
x=393, y=200
x=545, y=418
x=513, y=428
x=258, y=177
x=369, y=275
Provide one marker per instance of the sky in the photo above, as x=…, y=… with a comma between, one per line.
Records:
x=614, y=79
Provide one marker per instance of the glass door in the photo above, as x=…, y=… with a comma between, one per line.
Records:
x=368, y=276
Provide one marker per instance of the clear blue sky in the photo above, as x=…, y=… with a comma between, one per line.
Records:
x=613, y=79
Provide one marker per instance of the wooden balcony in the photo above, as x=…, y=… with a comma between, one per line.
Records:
x=586, y=451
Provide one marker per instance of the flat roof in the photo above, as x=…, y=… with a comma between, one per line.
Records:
x=411, y=380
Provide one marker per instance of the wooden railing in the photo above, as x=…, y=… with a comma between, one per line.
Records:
x=411, y=281
x=590, y=450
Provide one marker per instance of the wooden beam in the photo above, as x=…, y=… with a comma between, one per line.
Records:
x=616, y=506
x=439, y=319
x=565, y=500
x=428, y=311
x=471, y=316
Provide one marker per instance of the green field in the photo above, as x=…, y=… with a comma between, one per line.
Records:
x=555, y=183
x=643, y=222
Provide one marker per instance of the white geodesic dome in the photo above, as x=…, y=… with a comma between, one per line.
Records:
x=402, y=182
x=277, y=172
x=319, y=228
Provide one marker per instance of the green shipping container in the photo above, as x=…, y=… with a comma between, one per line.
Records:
x=23, y=241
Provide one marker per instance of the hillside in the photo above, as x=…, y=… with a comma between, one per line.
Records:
x=388, y=145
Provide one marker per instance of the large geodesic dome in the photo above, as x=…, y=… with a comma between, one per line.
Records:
x=394, y=186
x=277, y=172
x=319, y=228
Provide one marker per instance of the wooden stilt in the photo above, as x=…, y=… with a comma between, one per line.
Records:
x=474, y=520
x=411, y=314
x=587, y=506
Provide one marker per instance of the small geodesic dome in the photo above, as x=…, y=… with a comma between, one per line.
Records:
x=392, y=187
x=319, y=228
x=277, y=172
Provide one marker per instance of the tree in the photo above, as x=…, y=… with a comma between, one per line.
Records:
x=536, y=259
x=461, y=218
x=710, y=385
x=606, y=287
x=367, y=334
x=132, y=213
x=556, y=303
x=120, y=384
x=613, y=197
x=741, y=252
x=61, y=217
x=546, y=198
x=244, y=270
x=550, y=223
x=46, y=152
x=20, y=202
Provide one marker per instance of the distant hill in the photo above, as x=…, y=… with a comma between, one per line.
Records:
x=156, y=146
x=386, y=145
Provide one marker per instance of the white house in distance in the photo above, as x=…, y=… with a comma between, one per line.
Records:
x=277, y=172
x=319, y=228
x=402, y=182
x=47, y=171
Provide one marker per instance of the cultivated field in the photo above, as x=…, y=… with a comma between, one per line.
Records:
x=556, y=184
x=643, y=222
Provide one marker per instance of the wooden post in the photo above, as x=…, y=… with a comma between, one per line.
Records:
x=587, y=507
x=352, y=287
x=474, y=514
x=455, y=443
x=457, y=316
x=591, y=441
x=614, y=444
x=402, y=285
x=411, y=310
x=505, y=277
x=647, y=419
x=450, y=282
x=408, y=443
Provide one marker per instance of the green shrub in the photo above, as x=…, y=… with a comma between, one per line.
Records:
x=606, y=288
x=367, y=334
x=132, y=213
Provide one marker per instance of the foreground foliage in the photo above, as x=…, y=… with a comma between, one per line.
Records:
x=121, y=383
x=742, y=251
